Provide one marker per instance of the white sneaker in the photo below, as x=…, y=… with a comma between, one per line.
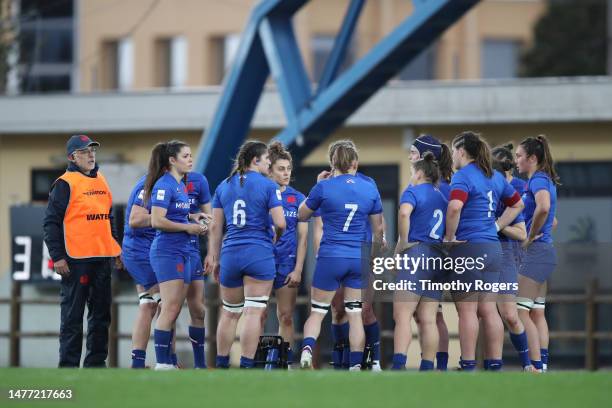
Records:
x=376, y=367
x=306, y=359
x=164, y=367
x=356, y=367
x=544, y=367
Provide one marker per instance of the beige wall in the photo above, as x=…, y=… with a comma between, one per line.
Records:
x=19, y=154
x=201, y=22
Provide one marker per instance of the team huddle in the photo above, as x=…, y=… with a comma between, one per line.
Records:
x=462, y=202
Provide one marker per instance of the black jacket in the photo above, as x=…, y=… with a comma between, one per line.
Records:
x=53, y=225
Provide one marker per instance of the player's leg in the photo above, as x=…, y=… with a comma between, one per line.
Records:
x=538, y=316
x=340, y=332
x=509, y=314
x=285, y=306
x=426, y=311
x=372, y=330
x=404, y=306
x=467, y=307
x=353, y=307
x=147, y=308
x=493, y=328
x=528, y=290
x=197, y=332
x=320, y=305
x=233, y=303
x=443, y=340
x=173, y=295
x=256, y=296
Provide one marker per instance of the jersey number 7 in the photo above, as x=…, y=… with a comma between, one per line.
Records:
x=353, y=210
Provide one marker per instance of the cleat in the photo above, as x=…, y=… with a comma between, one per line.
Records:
x=376, y=367
x=306, y=359
x=164, y=367
x=356, y=367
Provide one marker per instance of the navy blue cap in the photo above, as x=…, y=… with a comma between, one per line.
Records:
x=426, y=143
x=78, y=142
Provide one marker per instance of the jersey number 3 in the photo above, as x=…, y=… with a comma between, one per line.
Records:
x=239, y=216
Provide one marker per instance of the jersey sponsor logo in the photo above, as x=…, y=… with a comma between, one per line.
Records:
x=141, y=195
x=183, y=206
x=291, y=199
x=278, y=195
x=97, y=217
x=291, y=214
x=94, y=192
x=161, y=194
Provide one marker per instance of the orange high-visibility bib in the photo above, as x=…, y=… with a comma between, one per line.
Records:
x=87, y=229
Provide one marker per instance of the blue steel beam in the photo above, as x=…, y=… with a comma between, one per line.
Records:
x=341, y=44
x=268, y=44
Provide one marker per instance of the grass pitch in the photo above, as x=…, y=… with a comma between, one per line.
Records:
x=313, y=389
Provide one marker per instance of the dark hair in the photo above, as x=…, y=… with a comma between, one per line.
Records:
x=160, y=163
x=503, y=159
x=248, y=151
x=277, y=151
x=477, y=148
x=429, y=166
x=539, y=147
x=445, y=164
x=344, y=155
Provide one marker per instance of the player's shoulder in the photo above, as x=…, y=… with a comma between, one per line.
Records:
x=195, y=177
x=365, y=178
x=292, y=191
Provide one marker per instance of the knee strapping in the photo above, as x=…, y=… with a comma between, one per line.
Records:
x=320, y=307
x=233, y=307
x=539, y=303
x=353, y=306
x=524, y=303
x=145, y=298
x=256, y=301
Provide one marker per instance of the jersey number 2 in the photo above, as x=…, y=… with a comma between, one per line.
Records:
x=434, y=231
x=239, y=217
x=353, y=208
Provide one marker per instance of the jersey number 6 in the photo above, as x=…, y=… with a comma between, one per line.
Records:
x=239, y=216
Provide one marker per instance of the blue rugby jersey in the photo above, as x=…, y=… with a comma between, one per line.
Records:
x=428, y=217
x=246, y=208
x=345, y=203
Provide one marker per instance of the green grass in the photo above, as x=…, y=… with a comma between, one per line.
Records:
x=313, y=389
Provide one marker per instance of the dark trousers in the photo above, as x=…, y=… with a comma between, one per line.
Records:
x=89, y=283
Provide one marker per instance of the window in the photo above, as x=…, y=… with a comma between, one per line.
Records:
x=223, y=52
x=422, y=67
x=117, y=64
x=41, y=181
x=322, y=46
x=171, y=62
x=499, y=59
x=585, y=179
x=44, y=56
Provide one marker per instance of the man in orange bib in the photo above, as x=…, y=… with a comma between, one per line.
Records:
x=78, y=231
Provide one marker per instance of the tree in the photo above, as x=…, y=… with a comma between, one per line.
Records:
x=570, y=40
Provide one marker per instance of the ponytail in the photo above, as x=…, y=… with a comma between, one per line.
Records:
x=446, y=163
x=247, y=152
x=503, y=159
x=540, y=148
x=345, y=153
x=477, y=148
x=160, y=163
x=429, y=166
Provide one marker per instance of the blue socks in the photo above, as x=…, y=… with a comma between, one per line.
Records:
x=544, y=354
x=246, y=362
x=162, y=339
x=426, y=365
x=399, y=361
x=356, y=358
x=493, y=365
x=222, y=362
x=442, y=360
x=138, y=358
x=289, y=356
x=339, y=337
x=197, y=337
x=467, y=365
x=519, y=341
x=537, y=364
x=372, y=335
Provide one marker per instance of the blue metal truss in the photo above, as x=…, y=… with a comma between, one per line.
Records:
x=268, y=46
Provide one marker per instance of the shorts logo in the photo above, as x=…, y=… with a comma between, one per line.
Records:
x=84, y=279
x=141, y=195
x=161, y=194
x=278, y=195
x=180, y=268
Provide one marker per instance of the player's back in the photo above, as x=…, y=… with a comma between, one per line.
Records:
x=346, y=202
x=246, y=202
